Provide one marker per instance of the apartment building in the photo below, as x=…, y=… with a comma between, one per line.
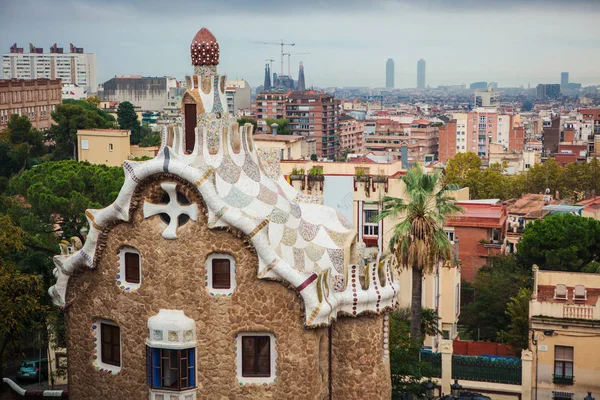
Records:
x=289, y=147
x=564, y=334
x=317, y=115
x=238, y=96
x=103, y=146
x=269, y=105
x=351, y=134
x=77, y=67
x=35, y=99
x=420, y=138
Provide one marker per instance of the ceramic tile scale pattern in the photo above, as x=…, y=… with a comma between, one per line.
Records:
x=308, y=245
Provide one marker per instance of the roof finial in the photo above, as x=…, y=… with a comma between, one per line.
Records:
x=204, y=48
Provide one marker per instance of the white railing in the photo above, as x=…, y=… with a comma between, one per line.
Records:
x=578, y=311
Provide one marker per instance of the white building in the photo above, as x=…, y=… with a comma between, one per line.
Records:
x=73, y=92
x=77, y=68
x=238, y=96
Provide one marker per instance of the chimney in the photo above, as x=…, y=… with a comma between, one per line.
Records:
x=274, y=128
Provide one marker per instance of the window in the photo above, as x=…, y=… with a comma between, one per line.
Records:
x=370, y=224
x=450, y=235
x=562, y=395
x=132, y=267
x=563, y=365
x=220, y=274
x=85, y=144
x=110, y=344
x=171, y=369
x=110, y=147
x=256, y=356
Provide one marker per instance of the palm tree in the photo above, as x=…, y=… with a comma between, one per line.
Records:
x=419, y=241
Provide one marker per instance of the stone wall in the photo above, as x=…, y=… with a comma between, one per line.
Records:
x=173, y=277
x=361, y=366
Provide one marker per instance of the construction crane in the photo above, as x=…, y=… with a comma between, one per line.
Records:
x=279, y=44
x=292, y=54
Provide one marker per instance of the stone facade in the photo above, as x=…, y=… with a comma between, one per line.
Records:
x=302, y=364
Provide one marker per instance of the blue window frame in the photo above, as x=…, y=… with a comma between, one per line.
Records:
x=170, y=369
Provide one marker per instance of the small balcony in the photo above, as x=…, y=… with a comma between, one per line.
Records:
x=562, y=380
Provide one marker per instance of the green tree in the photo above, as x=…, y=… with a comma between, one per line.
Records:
x=494, y=286
x=313, y=157
x=248, y=120
x=464, y=170
x=517, y=334
x=284, y=125
x=492, y=182
x=561, y=242
x=60, y=192
x=148, y=137
x=128, y=119
x=406, y=368
x=544, y=176
x=20, y=146
x=418, y=240
x=93, y=100
x=527, y=105
x=70, y=117
x=20, y=293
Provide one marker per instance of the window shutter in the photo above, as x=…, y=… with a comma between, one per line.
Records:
x=132, y=267
x=263, y=352
x=248, y=356
x=110, y=339
x=221, y=273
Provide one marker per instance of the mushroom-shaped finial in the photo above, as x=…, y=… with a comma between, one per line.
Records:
x=204, y=48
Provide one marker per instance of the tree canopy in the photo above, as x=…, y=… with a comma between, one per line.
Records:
x=60, y=192
x=495, y=284
x=128, y=119
x=284, y=125
x=248, y=120
x=561, y=242
x=20, y=147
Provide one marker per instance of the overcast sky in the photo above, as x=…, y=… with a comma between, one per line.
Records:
x=513, y=42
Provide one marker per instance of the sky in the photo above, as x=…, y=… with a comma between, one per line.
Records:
x=512, y=42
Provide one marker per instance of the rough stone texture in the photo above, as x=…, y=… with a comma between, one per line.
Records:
x=360, y=370
x=173, y=277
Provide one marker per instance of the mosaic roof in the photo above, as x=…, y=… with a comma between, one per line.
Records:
x=297, y=240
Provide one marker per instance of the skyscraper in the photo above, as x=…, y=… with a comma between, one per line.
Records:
x=421, y=74
x=564, y=79
x=267, y=84
x=301, y=83
x=389, y=74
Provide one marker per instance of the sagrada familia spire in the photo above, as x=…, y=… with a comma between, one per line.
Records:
x=267, y=84
x=301, y=84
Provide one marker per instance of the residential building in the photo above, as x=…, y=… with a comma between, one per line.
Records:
x=269, y=105
x=480, y=231
x=74, y=68
x=33, y=98
x=564, y=334
x=419, y=137
x=389, y=74
x=421, y=74
x=73, y=92
x=150, y=93
x=351, y=134
x=522, y=211
x=516, y=161
x=315, y=114
x=238, y=96
x=487, y=98
x=289, y=147
x=184, y=288
x=103, y=146
x=551, y=135
x=449, y=142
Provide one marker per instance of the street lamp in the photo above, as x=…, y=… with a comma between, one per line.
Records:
x=429, y=389
x=455, y=389
x=589, y=397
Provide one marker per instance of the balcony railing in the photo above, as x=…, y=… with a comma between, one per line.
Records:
x=578, y=311
x=562, y=380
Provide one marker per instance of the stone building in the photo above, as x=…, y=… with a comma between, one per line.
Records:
x=35, y=99
x=211, y=277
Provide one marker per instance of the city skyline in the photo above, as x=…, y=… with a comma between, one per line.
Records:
x=338, y=57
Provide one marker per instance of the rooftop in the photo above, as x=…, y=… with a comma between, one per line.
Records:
x=266, y=137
